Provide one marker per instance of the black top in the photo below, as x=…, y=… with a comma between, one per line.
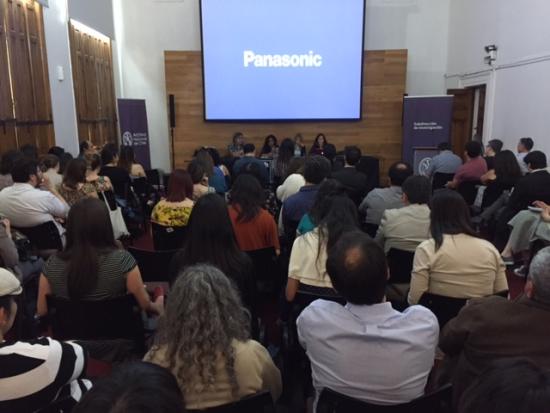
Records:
x=354, y=181
x=120, y=179
x=495, y=189
x=532, y=187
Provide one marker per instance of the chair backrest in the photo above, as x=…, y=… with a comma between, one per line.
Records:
x=400, y=264
x=168, y=238
x=333, y=402
x=117, y=318
x=439, y=180
x=257, y=403
x=153, y=265
x=444, y=308
x=267, y=272
x=370, y=166
x=468, y=190
x=44, y=236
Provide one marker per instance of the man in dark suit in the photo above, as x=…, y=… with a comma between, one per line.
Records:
x=495, y=328
x=354, y=181
x=535, y=186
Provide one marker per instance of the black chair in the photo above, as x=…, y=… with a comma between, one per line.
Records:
x=400, y=264
x=370, y=166
x=153, y=265
x=437, y=402
x=266, y=270
x=257, y=403
x=468, y=190
x=444, y=308
x=168, y=238
x=44, y=236
x=439, y=180
x=118, y=318
x=155, y=178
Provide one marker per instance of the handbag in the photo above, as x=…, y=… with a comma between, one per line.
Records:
x=120, y=229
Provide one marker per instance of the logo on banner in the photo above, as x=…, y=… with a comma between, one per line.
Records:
x=423, y=166
x=127, y=138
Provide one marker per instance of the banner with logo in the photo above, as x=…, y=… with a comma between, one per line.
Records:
x=134, y=129
x=427, y=122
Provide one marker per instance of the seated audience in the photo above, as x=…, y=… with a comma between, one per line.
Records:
x=175, y=209
x=220, y=174
x=127, y=161
x=285, y=154
x=7, y=162
x=513, y=385
x=293, y=180
x=49, y=165
x=119, y=177
x=270, y=200
x=87, y=148
x=474, y=167
x=322, y=147
x=199, y=177
x=136, y=387
x=495, y=328
x=203, y=339
x=503, y=177
x=299, y=146
x=99, y=182
x=354, y=181
x=236, y=149
x=38, y=372
x=249, y=157
x=74, y=186
x=92, y=267
x=316, y=170
x=211, y=240
x=307, y=271
x=445, y=162
x=380, y=199
x=525, y=146
x=270, y=148
x=405, y=228
x=493, y=148
x=454, y=262
x=328, y=189
x=56, y=151
x=366, y=349
x=64, y=161
x=25, y=205
x=254, y=227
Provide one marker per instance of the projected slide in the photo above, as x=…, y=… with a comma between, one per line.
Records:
x=282, y=59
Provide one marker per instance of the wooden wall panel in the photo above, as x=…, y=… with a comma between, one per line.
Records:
x=378, y=134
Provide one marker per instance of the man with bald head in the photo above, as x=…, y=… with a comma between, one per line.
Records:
x=493, y=328
x=366, y=349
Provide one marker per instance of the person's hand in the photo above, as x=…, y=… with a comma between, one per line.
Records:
x=7, y=225
x=46, y=183
x=157, y=306
x=541, y=205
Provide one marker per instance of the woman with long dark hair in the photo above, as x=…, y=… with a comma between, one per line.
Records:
x=322, y=147
x=92, y=267
x=270, y=148
x=307, y=269
x=74, y=186
x=503, y=178
x=254, y=227
x=284, y=156
x=127, y=161
x=455, y=262
x=329, y=188
x=175, y=209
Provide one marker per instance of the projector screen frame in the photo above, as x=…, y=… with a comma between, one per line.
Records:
x=292, y=120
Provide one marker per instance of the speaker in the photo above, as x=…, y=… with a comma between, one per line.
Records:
x=172, y=104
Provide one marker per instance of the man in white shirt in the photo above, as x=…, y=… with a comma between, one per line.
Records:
x=24, y=204
x=525, y=146
x=366, y=349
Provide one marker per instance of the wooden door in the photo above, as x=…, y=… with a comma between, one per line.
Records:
x=7, y=117
x=463, y=110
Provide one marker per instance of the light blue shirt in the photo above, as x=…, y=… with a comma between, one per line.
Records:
x=446, y=162
x=370, y=352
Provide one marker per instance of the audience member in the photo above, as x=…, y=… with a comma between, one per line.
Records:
x=64, y=161
x=24, y=204
x=57, y=151
x=100, y=183
x=255, y=229
x=74, y=186
x=380, y=199
x=493, y=148
x=503, y=177
x=236, y=149
x=7, y=162
x=39, y=372
x=445, y=162
x=8, y=250
x=293, y=180
x=454, y=262
x=316, y=170
x=127, y=161
x=525, y=146
x=322, y=147
x=283, y=159
x=366, y=349
x=495, y=328
x=203, y=339
x=199, y=177
x=307, y=268
x=137, y=387
x=175, y=209
x=474, y=167
x=508, y=386
x=270, y=148
x=328, y=189
x=119, y=177
x=250, y=158
x=354, y=181
x=270, y=200
x=92, y=267
x=86, y=147
x=220, y=171
x=216, y=176
x=49, y=165
x=406, y=228
x=299, y=146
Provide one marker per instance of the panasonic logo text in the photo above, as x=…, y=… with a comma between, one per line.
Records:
x=277, y=60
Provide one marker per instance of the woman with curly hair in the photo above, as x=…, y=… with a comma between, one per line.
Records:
x=203, y=339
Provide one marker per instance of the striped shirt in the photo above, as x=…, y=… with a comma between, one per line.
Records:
x=111, y=278
x=37, y=373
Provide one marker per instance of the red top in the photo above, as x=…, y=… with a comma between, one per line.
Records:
x=472, y=170
x=256, y=234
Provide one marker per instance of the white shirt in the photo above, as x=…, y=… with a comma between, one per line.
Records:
x=26, y=206
x=404, y=228
x=290, y=186
x=371, y=353
x=521, y=161
x=308, y=261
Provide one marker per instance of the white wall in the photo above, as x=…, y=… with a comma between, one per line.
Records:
x=145, y=29
x=519, y=96
x=97, y=14
x=62, y=92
